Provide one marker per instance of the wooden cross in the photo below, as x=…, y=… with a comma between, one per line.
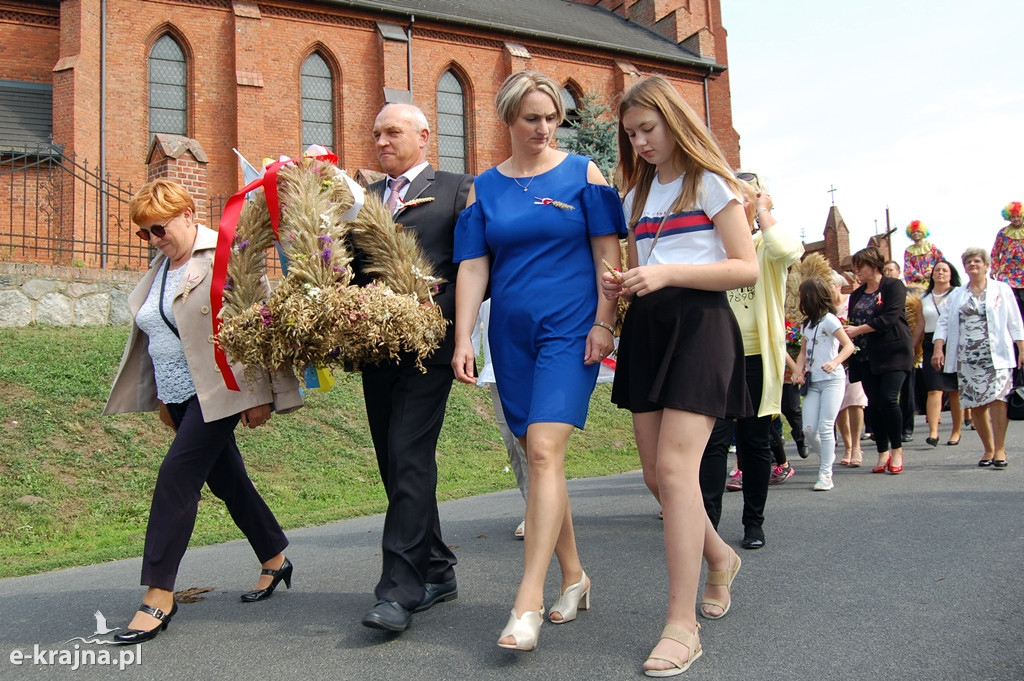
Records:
x=832, y=190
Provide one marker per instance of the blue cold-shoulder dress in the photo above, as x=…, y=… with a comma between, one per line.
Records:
x=543, y=285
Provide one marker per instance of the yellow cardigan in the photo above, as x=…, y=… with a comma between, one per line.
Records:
x=776, y=251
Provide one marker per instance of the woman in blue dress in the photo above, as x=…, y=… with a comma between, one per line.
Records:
x=537, y=228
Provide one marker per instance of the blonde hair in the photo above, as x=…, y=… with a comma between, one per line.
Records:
x=159, y=199
x=517, y=86
x=696, y=148
x=756, y=183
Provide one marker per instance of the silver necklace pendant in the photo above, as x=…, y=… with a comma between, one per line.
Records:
x=527, y=187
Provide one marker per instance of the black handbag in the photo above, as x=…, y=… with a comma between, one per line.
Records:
x=1015, y=400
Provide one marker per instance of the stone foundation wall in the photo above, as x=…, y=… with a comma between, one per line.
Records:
x=64, y=296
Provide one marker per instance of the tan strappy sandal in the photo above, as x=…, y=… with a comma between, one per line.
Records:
x=676, y=633
x=721, y=578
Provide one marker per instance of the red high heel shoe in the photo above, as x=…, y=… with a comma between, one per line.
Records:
x=884, y=466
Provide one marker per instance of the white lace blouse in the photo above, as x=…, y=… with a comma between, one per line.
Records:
x=173, y=380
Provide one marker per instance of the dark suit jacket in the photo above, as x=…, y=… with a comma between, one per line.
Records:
x=889, y=347
x=433, y=224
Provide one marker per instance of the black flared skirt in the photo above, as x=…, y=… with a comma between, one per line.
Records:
x=681, y=349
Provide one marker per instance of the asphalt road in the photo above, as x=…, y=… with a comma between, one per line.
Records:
x=915, y=576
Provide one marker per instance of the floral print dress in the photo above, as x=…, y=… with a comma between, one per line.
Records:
x=918, y=261
x=1008, y=257
x=980, y=382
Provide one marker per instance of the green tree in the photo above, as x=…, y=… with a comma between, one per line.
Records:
x=595, y=133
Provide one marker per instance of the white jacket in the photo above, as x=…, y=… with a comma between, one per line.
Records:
x=1004, y=324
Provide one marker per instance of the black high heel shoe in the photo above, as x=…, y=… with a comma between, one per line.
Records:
x=283, y=573
x=139, y=635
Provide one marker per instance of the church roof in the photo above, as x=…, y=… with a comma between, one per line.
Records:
x=558, y=21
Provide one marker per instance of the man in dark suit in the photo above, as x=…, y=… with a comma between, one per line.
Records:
x=404, y=406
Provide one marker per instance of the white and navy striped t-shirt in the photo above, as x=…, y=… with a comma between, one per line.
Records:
x=689, y=237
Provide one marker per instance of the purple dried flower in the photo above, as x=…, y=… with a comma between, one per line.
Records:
x=265, y=317
x=228, y=284
x=242, y=245
x=325, y=239
x=326, y=255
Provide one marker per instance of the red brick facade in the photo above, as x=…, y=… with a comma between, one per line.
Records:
x=243, y=72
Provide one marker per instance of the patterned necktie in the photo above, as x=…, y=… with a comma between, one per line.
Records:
x=395, y=197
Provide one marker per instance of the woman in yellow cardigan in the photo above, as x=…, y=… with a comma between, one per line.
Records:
x=760, y=311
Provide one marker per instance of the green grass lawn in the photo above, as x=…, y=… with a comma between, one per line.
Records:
x=75, y=486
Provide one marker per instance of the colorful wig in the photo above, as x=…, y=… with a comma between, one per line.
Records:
x=918, y=226
x=1012, y=210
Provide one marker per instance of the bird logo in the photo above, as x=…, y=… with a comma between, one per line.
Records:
x=101, y=625
x=101, y=630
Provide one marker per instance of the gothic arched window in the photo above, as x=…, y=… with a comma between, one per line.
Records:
x=317, y=103
x=167, y=88
x=566, y=131
x=451, y=124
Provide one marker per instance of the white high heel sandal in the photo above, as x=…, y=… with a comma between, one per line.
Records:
x=524, y=630
x=575, y=597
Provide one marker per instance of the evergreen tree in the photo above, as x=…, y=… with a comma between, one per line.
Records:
x=595, y=134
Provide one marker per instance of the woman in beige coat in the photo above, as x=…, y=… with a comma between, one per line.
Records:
x=168, y=365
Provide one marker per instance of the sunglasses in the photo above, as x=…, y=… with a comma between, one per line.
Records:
x=157, y=230
x=746, y=177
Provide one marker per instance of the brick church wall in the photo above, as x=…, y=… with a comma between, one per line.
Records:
x=244, y=61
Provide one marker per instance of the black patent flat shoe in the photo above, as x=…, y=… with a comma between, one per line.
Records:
x=753, y=539
x=283, y=573
x=139, y=635
x=1000, y=463
x=985, y=463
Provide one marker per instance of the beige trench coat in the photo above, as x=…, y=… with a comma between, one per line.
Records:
x=134, y=388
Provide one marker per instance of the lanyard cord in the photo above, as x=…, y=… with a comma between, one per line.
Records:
x=163, y=287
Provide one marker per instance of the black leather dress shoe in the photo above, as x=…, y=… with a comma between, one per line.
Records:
x=132, y=636
x=753, y=538
x=437, y=593
x=387, y=615
x=907, y=437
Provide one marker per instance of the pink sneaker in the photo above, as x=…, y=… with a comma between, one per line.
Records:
x=735, y=481
x=781, y=474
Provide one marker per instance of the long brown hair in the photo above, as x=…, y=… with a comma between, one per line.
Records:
x=696, y=149
x=816, y=299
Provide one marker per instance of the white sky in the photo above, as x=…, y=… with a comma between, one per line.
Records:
x=912, y=104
